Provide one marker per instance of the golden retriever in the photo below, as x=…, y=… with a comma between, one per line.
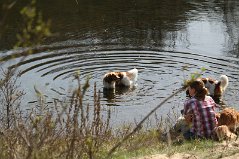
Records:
x=223, y=133
x=230, y=118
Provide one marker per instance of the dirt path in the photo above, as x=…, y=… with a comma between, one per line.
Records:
x=175, y=156
x=183, y=156
x=224, y=149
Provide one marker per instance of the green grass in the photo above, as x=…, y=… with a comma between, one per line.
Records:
x=200, y=148
x=77, y=130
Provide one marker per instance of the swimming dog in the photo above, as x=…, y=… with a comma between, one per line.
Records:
x=119, y=79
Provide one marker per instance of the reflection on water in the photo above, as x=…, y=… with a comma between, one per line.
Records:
x=172, y=24
x=157, y=37
x=111, y=94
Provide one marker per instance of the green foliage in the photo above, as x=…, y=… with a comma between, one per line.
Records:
x=10, y=96
x=5, y=8
x=72, y=130
x=35, y=28
x=193, y=77
x=77, y=130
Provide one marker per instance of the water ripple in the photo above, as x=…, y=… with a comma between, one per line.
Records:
x=160, y=72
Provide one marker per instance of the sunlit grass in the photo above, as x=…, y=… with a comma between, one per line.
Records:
x=200, y=148
x=78, y=130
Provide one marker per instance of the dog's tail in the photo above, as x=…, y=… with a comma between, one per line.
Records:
x=224, y=82
x=134, y=73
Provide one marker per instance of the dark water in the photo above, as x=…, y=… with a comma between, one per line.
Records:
x=157, y=37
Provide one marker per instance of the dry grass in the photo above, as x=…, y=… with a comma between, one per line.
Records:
x=73, y=129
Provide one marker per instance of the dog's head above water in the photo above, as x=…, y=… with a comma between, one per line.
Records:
x=112, y=76
x=120, y=79
x=214, y=87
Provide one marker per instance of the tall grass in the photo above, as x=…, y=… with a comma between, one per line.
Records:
x=72, y=130
x=10, y=97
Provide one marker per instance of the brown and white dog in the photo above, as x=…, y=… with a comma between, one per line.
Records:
x=216, y=88
x=116, y=79
x=223, y=133
x=230, y=118
x=228, y=123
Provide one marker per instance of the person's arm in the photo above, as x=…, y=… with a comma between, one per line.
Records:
x=188, y=113
x=186, y=107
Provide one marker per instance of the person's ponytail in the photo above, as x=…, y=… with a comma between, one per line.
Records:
x=201, y=93
x=201, y=90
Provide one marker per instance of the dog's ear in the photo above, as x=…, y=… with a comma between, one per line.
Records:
x=114, y=76
x=204, y=80
x=117, y=75
x=218, y=89
x=109, y=77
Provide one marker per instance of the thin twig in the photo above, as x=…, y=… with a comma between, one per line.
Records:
x=139, y=125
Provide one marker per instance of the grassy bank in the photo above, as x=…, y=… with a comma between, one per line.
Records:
x=74, y=129
x=196, y=149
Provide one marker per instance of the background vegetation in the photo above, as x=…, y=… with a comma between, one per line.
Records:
x=74, y=129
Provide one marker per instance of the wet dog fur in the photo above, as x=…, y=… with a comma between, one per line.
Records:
x=120, y=79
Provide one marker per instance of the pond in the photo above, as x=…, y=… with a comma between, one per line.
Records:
x=159, y=38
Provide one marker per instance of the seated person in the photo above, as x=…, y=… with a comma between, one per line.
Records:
x=200, y=110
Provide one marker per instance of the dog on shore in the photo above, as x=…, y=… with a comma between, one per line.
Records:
x=228, y=124
x=230, y=118
x=222, y=132
x=120, y=79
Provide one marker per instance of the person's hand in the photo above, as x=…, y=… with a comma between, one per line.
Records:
x=188, y=118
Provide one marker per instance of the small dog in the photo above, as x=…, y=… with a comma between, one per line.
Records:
x=215, y=88
x=182, y=125
x=230, y=118
x=223, y=133
x=117, y=79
